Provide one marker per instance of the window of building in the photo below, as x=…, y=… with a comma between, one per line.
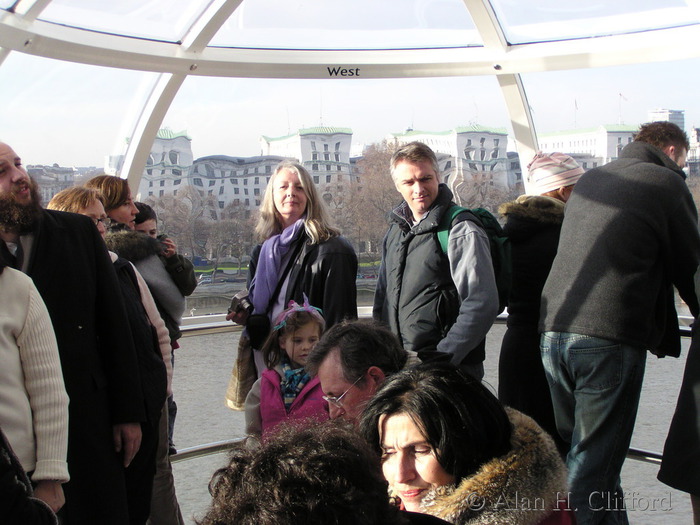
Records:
x=256, y=191
x=326, y=156
x=160, y=193
x=337, y=157
x=315, y=179
x=448, y=164
x=247, y=202
x=328, y=178
x=197, y=182
x=268, y=169
x=314, y=156
x=221, y=205
x=245, y=191
x=328, y=167
x=221, y=190
x=245, y=182
x=337, y=146
x=313, y=145
x=338, y=168
x=150, y=183
x=234, y=181
x=177, y=172
x=162, y=183
x=257, y=202
x=212, y=182
x=235, y=191
x=257, y=179
x=325, y=147
x=314, y=167
x=496, y=142
x=174, y=157
x=174, y=193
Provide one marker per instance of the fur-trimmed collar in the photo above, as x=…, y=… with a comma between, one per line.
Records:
x=133, y=245
x=535, y=207
x=520, y=488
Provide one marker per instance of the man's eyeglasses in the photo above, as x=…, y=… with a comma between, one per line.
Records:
x=106, y=221
x=338, y=401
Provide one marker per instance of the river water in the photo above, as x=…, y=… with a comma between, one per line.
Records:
x=203, y=366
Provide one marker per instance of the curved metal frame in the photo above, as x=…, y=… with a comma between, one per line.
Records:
x=21, y=31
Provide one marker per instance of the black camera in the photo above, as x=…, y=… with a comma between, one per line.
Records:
x=162, y=237
x=240, y=302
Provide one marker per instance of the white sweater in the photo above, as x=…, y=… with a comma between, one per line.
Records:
x=33, y=399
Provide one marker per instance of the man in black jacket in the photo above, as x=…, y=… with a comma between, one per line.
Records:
x=630, y=234
x=65, y=256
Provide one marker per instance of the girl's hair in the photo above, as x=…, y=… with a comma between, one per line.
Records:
x=317, y=222
x=114, y=190
x=74, y=199
x=288, y=322
x=464, y=423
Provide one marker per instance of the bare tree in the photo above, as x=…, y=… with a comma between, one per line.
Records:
x=476, y=190
x=185, y=217
x=374, y=196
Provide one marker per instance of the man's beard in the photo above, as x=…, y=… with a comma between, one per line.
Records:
x=16, y=217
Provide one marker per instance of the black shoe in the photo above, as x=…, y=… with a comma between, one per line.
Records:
x=172, y=450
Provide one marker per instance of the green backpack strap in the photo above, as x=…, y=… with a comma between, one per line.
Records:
x=443, y=231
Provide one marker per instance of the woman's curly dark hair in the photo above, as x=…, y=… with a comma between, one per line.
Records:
x=323, y=474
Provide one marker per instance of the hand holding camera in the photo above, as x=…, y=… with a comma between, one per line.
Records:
x=240, y=308
x=169, y=247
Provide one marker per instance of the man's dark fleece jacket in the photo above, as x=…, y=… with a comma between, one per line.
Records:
x=630, y=234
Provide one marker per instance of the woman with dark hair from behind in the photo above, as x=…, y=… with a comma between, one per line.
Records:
x=450, y=449
x=320, y=475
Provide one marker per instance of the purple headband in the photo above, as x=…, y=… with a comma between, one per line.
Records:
x=294, y=307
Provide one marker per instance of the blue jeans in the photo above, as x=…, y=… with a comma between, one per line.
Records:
x=595, y=386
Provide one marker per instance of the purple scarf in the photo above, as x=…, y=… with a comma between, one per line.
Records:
x=267, y=274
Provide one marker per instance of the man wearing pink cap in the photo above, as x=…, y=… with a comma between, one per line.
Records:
x=630, y=234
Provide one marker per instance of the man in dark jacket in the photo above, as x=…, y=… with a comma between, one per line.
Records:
x=630, y=233
x=436, y=302
x=65, y=256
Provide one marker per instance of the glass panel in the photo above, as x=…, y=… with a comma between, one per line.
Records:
x=548, y=20
x=360, y=24
x=593, y=113
x=68, y=114
x=152, y=19
x=235, y=124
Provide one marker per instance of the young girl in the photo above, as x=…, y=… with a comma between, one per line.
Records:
x=285, y=391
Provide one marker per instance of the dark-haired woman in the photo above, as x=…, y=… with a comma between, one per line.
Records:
x=451, y=450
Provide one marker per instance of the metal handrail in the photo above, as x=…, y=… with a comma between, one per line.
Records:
x=207, y=324
x=219, y=447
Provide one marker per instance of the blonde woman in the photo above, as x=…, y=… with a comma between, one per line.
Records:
x=301, y=255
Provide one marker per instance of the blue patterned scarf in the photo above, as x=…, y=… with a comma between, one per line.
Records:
x=292, y=383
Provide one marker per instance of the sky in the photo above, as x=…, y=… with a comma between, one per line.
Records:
x=76, y=115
